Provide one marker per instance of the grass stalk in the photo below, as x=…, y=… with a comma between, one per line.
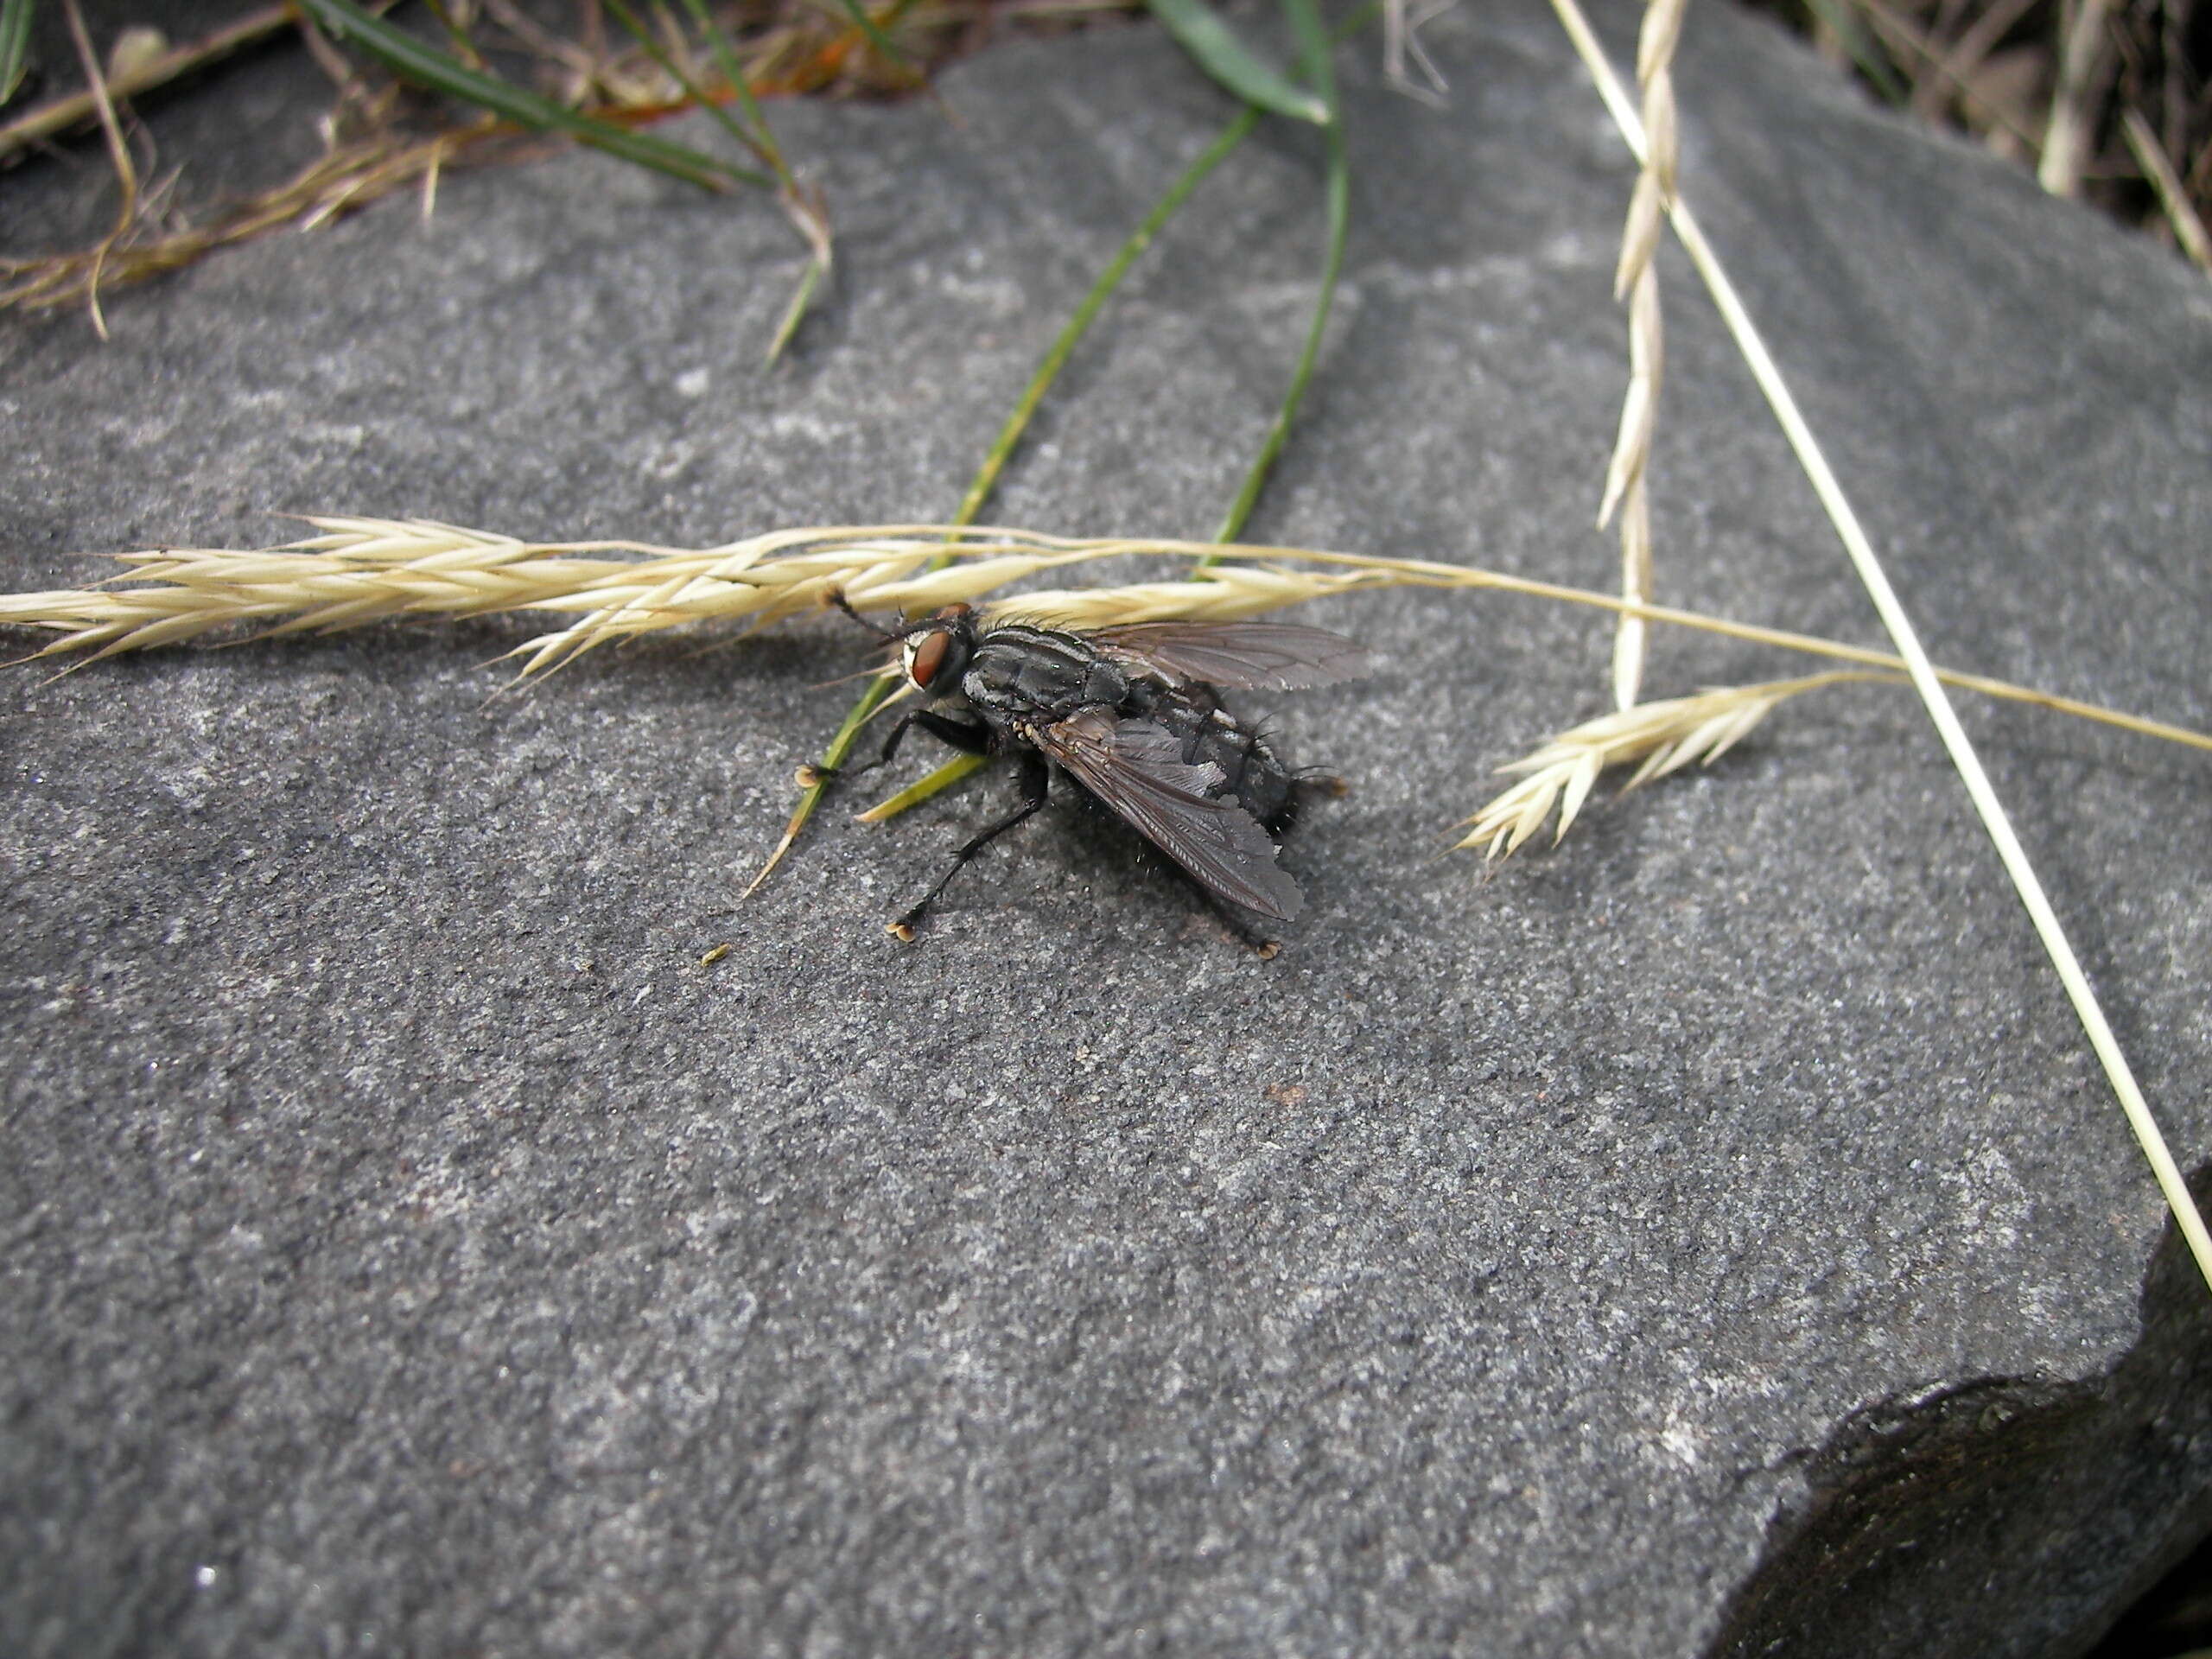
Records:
x=2173, y=197
x=1200, y=31
x=126, y=175
x=1923, y=674
x=1314, y=48
x=359, y=570
x=872, y=33
x=763, y=149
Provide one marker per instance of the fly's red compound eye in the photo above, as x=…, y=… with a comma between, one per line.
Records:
x=926, y=657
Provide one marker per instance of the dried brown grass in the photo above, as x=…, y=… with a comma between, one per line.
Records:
x=375, y=142
x=2109, y=102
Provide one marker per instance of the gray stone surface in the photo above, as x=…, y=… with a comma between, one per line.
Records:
x=1702, y=1237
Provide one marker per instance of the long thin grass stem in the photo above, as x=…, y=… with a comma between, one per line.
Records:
x=1078, y=323
x=1314, y=43
x=873, y=32
x=765, y=149
x=60, y=114
x=741, y=87
x=126, y=176
x=1925, y=678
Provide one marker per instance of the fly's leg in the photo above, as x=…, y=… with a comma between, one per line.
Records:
x=972, y=736
x=1036, y=785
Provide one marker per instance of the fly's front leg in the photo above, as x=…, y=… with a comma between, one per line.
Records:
x=1036, y=787
x=971, y=736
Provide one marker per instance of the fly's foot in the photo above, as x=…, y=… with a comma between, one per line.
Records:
x=1268, y=950
x=813, y=777
x=902, y=930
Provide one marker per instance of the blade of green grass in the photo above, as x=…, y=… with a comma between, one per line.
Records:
x=661, y=55
x=1056, y=357
x=426, y=65
x=1314, y=45
x=987, y=475
x=874, y=35
x=806, y=210
x=795, y=313
x=741, y=88
x=915, y=793
x=1871, y=59
x=15, y=43
x=1200, y=32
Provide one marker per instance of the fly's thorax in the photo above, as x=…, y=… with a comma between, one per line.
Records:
x=1026, y=675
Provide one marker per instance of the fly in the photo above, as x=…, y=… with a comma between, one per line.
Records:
x=1134, y=715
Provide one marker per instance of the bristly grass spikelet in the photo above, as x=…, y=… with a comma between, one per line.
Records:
x=1663, y=736
x=360, y=570
x=1628, y=489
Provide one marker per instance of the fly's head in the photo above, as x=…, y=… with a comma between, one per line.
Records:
x=935, y=652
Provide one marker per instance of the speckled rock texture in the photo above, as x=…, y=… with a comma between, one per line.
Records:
x=1712, y=1237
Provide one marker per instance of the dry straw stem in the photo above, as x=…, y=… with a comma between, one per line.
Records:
x=1926, y=679
x=361, y=569
x=61, y=114
x=2083, y=56
x=1627, y=483
x=348, y=177
x=1664, y=736
x=126, y=175
x=2173, y=195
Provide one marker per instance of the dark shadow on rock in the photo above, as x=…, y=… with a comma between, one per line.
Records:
x=2006, y=1505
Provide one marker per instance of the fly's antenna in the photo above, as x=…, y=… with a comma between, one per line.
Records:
x=836, y=596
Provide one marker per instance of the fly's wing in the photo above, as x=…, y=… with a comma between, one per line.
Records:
x=1136, y=767
x=1242, y=655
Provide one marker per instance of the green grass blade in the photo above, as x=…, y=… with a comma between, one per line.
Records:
x=741, y=88
x=426, y=65
x=1063, y=347
x=1845, y=23
x=1314, y=45
x=811, y=797
x=1315, y=48
x=1200, y=32
x=812, y=221
x=795, y=313
x=915, y=794
x=15, y=43
x=660, y=54
x=986, y=476
x=875, y=37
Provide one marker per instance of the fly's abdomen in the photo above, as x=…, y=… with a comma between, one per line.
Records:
x=1251, y=771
